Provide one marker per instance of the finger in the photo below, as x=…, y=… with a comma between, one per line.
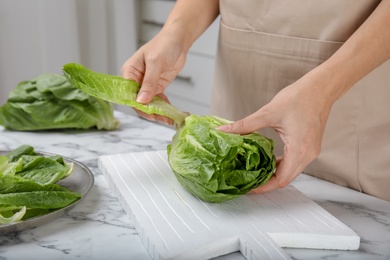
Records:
x=149, y=87
x=246, y=125
x=164, y=97
x=164, y=120
x=287, y=170
x=150, y=117
x=154, y=117
x=133, y=68
x=278, y=160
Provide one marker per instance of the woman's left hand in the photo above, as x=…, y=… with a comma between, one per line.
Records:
x=298, y=113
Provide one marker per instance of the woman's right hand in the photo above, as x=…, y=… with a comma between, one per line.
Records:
x=159, y=61
x=154, y=66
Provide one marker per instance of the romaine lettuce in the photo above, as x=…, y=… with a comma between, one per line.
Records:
x=51, y=102
x=216, y=166
x=28, y=184
x=40, y=169
x=118, y=90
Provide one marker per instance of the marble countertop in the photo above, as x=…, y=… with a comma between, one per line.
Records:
x=98, y=227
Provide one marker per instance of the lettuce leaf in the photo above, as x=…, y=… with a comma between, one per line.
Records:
x=118, y=90
x=24, y=162
x=14, y=217
x=40, y=199
x=50, y=102
x=17, y=184
x=43, y=170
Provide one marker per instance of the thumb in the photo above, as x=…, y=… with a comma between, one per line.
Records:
x=246, y=125
x=145, y=95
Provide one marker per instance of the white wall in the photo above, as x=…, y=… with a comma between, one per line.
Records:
x=42, y=35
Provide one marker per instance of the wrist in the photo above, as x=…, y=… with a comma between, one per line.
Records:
x=189, y=19
x=332, y=79
x=177, y=31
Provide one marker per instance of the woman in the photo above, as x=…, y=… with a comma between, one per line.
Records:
x=312, y=75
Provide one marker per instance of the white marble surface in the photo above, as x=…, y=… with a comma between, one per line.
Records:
x=98, y=228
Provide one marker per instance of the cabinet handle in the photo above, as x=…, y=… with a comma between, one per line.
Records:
x=150, y=22
x=184, y=78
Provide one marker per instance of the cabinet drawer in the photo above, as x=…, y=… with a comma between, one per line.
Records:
x=206, y=44
x=155, y=12
x=148, y=31
x=194, y=82
x=153, y=16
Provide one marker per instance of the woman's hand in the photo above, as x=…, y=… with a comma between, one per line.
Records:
x=154, y=66
x=159, y=61
x=298, y=114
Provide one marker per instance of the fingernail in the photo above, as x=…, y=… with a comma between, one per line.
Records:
x=142, y=97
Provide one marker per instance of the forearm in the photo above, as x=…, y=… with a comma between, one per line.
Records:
x=189, y=19
x=364, y=51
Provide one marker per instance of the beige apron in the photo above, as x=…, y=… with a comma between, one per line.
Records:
x=265, y=45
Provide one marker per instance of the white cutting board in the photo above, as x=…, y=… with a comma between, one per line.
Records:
x=173, y=224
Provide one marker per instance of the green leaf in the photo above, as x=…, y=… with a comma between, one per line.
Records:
x=15, y=154
x=16, y=217
x=43, y=170
x=118, y=90
x=16, y=184
x=3, y=163
x=40, y=199
x=10, y=168
x=24, y=162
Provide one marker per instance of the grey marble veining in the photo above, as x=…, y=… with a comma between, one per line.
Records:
x=98, y=227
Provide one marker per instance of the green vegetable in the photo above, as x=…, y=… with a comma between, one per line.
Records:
x=212, y=165
x=28, y=184
x=40, y=199
x=217, y=166
x=13, y=217
x=51, y=102
x=118, y=90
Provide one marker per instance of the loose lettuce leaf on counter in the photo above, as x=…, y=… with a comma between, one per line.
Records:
x=216, y=166
x=51, y=102
x=118, y=90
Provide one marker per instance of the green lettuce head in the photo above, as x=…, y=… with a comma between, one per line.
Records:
x=216, y=166
x=49, y=101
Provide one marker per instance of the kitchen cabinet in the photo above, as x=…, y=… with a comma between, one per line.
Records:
x=191, y=90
